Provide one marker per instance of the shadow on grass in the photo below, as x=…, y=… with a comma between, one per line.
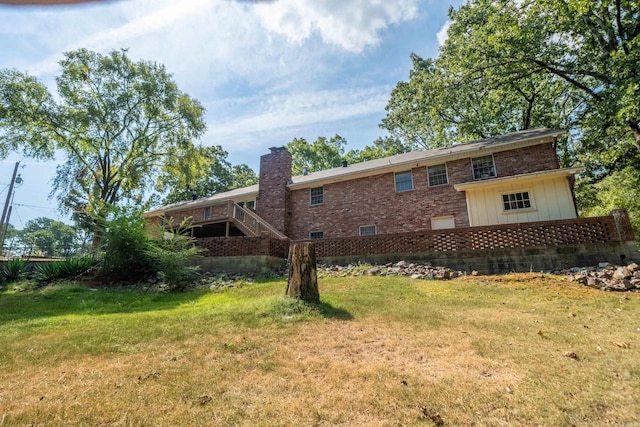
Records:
x=70, y=299
x=331, y=312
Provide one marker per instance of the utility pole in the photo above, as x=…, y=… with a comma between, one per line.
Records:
x=3, y=226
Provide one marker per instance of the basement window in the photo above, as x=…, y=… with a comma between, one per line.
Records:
x=483, y=167
x=316, y=235
x=516, y=201
x=367, y=230
x=317, y=195
x=404, y=181
x=437, y=175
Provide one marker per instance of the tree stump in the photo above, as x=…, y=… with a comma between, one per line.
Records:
x=303, y=277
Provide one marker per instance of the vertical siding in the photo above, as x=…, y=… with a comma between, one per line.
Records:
x=551, y=196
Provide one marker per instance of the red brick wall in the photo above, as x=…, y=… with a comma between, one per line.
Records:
x=275, y=173
x=525, y=160
x=242, y=246
x=374, y=201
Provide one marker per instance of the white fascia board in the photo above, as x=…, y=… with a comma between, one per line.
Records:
x=493, y=182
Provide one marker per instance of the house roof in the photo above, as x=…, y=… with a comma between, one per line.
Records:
x=428, y=157
x=387, y=164
x=238, y=195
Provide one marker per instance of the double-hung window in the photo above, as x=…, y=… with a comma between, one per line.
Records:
x=404, y=181
x=483, y=167
x=437, y=175
x=317, y=195
x=207, y=213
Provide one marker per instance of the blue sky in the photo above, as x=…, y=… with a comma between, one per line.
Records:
x=266, y=71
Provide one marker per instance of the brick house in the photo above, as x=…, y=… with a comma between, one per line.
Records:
x=512, y=178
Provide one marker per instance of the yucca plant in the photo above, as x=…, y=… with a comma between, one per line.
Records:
x=48, y=271
x=12, y=269
x=73, y=267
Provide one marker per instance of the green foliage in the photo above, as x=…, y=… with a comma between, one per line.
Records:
x=126, y=247
x=620, y=190
x=322, y=154
x=116, y=121
x=67, y=269
x=202, y=172
x=326, y=153
x=45, y=236
x=515, y=65
x=12, y=269
x=172, y=254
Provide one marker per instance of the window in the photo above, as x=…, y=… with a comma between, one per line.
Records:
x=516, y=201
x=207, y=213
x=437, y=175
x=442, y=222
x=367, y=230
x=483, y=167
x=404, y=181
x=316, y=235
x=317, y=196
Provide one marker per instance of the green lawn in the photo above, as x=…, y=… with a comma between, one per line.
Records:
x=376, y=351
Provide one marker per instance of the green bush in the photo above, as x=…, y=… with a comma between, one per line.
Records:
x=172, y=255
x=12, y=270
x=126, y=246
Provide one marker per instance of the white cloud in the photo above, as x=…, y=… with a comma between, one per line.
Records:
x=443, y=33
x=289, y=112
x=350, y=25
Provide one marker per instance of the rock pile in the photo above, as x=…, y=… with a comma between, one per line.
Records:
x=608, y=277
x=401, y=268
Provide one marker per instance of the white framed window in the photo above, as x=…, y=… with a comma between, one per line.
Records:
x=317, y=195
x=404, y=181
x=483, y=167
x=442, y=222
x=207, y=213
x=522, y=200
x=367, y=230
x=316, y=235
x=437, y=175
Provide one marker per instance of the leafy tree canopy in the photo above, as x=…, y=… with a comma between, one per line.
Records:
x=511, y=65
x=118, y=122
x=204, y=171
x=326, y=153
x=45, y=236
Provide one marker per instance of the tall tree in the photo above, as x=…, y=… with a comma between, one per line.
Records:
x=203, y=172
x=510, y=65
x=319, y=155
x=49, y=237
x=117, y=122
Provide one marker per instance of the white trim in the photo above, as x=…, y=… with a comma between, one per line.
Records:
x=523, y=177
x=375, y=230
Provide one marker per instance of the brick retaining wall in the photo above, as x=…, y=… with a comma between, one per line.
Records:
x=614, y=230
x=534, y=234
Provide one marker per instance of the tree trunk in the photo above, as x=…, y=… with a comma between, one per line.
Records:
x=303, y=278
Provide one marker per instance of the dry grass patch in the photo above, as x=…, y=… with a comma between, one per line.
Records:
x=377, y=351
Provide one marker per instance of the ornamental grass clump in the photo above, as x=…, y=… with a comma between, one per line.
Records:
x=12, y=270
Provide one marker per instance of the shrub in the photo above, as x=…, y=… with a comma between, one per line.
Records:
x=172, y=255
x=126, y=247
x=12, y=269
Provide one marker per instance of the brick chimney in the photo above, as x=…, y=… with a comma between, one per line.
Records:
x=273, y=194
